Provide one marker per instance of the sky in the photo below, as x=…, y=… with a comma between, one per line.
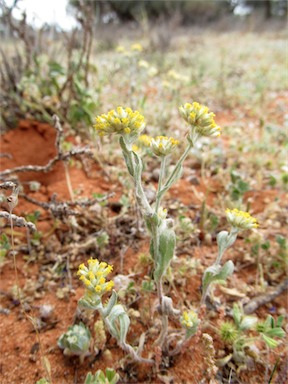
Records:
x=40, y=12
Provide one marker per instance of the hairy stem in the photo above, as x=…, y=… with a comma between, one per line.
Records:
x=160, y=182
x=171, y=178
x=125, y=346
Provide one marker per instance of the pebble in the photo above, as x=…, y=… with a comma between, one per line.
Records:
x=46, y=311
x=208, y=239
x=193, y=180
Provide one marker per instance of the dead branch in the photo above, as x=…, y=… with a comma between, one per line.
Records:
x=63, y=209
x=8, y=185
x=61, y=156
x=260, y=300
x=18, y=221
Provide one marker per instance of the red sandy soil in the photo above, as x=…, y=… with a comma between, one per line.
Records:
x=33, y=143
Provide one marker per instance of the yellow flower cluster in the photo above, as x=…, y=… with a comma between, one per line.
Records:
x=201, y=120
x=123, y=121
x=94, y=276
x=240, y=219
x=144, y=141
x=134, y=48
x=189, y=319
x=162, y=213
x=176, y=76
x=163, y=145
x=151, y=70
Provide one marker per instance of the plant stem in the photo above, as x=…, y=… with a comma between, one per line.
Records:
x=217, y=262
x=125, y=346
x=171, y=178
x=161, y=177
x=68, y=181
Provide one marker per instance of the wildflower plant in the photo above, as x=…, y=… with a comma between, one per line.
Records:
x=76, y=341
x=129, y=125
x=114, y=315
x=239, y=221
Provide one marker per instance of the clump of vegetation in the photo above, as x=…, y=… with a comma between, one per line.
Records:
x=76, y=341
x=160, y=303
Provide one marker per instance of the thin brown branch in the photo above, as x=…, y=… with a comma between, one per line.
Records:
x=61, y=156
x=18, y=221
x=63, y=209
x=265, y=298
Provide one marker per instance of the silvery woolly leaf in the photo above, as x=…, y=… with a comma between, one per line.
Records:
x=222, y=240
x=167, y=243
x=225, y=240
x=216, y=272
x=124, y=323
x=209, y=275
x=248, y=322
x=111, y=303
x=127, y=156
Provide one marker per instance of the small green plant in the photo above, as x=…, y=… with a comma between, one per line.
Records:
x=109, y=377
x=76, y=341
x=42, y=381
x=269, y=329
x=237, y=335
x=114, y=315
x=238, y=187
x=102, y=239
x=283, y=250
x=239, y=221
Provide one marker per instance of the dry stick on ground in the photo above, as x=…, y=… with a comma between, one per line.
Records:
x=18, y=221
x=61, y=156
x=63, y=209
x=265, y=298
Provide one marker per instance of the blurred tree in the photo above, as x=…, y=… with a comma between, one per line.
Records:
x=190, y=11
x=127, y=10
x=270, y=7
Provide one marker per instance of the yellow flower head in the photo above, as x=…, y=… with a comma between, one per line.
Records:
x=176, y=76
x=200, y=119
x=94, y=277
x=120, y=49
x=122, y=121
x=240, y=219
x=143, y=64
x=162, y=213
x=189, y=319
x=144, y=141
x=152, y=71
x=135, y=148
x=162, y=145
x=136, y=47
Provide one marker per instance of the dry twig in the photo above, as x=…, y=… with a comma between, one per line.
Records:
x=63, y=209
x=18, y=221
x=265, y=298
x=61, y=156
